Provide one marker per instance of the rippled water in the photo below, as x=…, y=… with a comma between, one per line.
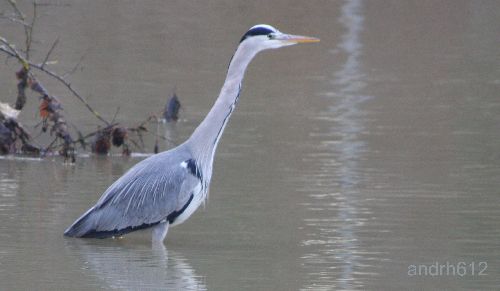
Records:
x=345, y=164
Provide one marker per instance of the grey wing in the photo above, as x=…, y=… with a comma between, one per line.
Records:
x=151, y=192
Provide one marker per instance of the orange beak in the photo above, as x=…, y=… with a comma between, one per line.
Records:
x=297, y=38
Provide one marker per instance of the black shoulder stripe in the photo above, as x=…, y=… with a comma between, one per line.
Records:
x=193, y=168
x=172, y=216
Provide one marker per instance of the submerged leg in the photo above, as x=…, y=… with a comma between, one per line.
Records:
x=159, y=232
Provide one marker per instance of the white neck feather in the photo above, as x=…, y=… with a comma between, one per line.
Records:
x=205, y=138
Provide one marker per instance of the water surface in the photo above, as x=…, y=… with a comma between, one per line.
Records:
x=345, y=163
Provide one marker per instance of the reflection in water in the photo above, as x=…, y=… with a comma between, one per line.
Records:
x=334, y=217
x=8, y=201
x=136, y=267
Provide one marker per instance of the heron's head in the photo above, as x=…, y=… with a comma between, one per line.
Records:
x=263, y=36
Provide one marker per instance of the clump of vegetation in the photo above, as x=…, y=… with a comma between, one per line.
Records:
x=15, y=139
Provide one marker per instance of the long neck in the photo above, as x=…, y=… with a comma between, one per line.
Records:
x=205, y=138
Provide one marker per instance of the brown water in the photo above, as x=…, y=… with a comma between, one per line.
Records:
x=346, y=162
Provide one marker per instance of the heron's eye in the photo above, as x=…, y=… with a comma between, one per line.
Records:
x=270, y=36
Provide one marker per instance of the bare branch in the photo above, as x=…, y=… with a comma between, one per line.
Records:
x=15, y=20
x=49, y=53
x=27, y=65
x=67, y=74
x=116, y=114
x=27, y=29
x=16, y=9
x=29, y=34
x=84, y=137
x=11, y=50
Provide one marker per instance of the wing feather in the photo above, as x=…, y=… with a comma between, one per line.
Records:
x=144, y=196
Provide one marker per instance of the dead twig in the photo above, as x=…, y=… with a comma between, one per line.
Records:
x=29, y=40
x=15, y=20
x=10, y=50
x=28, y=29
x=116, y=114
x=49, y=53
x=72, y=71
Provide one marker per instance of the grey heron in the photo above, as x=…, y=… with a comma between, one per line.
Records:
x=166, y=188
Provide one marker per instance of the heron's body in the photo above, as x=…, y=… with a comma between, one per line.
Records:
x=166, y=188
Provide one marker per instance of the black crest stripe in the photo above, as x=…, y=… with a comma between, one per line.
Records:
x=257, y=31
